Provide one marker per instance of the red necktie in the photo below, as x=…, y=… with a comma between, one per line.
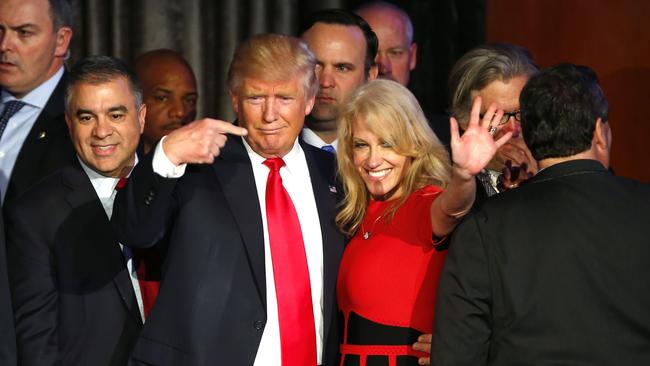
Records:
x=146, y=262
x=149, y=282
x=292, y=287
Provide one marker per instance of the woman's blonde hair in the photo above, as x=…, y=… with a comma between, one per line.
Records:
x=391, y=112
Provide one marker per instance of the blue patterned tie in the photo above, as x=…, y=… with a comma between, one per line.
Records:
x=329, y=149
x=11, y=107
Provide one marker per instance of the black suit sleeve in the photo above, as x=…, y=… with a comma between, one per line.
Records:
x=33, y=290
x=7, y=333
x=143, y=210
x=462, y=330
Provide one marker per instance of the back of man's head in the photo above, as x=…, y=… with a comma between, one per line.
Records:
x=347, y=18
x=559, y=110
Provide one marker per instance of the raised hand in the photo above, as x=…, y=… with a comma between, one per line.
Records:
x=472, y=151
x=199, y=142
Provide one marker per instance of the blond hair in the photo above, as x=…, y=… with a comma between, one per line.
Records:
x=391, y=112
x=273, y=57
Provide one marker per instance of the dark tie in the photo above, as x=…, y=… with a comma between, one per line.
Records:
x=329, y=149
x=146, y=263
x=11, y=107
x=290, y=272
x=486, y=182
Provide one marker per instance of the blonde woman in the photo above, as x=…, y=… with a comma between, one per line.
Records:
x=403, y=196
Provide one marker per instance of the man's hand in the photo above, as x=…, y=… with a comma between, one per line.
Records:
x=473, y=151
x=199, y=142
x=518, y=163
x=423, y=345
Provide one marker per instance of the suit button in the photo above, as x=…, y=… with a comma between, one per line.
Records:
x=258, y=325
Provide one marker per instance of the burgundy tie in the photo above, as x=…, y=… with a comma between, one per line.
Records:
x=292, y=287
x=147, y=266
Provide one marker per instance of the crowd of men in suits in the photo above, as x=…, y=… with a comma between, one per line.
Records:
x=552, y=272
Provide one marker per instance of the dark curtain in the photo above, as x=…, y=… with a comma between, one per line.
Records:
x=207, y=32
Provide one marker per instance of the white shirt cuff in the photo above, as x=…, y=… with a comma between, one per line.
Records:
x=163, y=166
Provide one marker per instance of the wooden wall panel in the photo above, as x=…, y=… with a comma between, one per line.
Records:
x=611, y=37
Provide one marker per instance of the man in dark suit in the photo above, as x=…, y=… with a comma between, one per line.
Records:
x=34, y=141
x=75, y=302
x=245, y=283
x=556, y=271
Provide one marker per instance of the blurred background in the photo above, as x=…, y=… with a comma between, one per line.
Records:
x=612, y=37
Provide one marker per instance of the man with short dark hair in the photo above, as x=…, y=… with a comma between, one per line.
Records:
x=555, y=271
x=254, y=251
x=76, y=297
x=34, y=142
x=345, y=48
x=169, y=88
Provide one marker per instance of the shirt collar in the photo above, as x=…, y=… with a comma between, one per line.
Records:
x=103, y=185
x=313, y=139
x=41, y=94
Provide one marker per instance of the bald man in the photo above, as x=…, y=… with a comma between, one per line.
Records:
x=169, y=88
x=397, y=55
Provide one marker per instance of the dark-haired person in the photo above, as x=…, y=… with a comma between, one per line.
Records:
x=345, y=49
x=169, y=91
x=556, y=271
x=76, y=301
x=497, y=73
x=34, y=140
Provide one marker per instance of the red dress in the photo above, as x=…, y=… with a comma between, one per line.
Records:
x=387, y=283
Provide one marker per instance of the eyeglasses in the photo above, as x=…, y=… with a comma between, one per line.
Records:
x=506, y=117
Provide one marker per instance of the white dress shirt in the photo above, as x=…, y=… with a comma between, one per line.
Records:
x=105, y=189
x=20, y=124
x=313, y=139
x=296, y=180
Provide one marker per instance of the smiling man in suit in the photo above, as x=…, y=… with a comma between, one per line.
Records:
x=253, y=252
x=77, y=300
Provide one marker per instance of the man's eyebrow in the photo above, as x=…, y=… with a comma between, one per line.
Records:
x=118, y=108
x=82, y=111
x=164, y=90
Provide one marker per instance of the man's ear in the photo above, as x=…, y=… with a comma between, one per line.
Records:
x=603, y=134
x=234, y=101
x=413, y=50
x=63, y=37
x=373, y=72
x=142, y=115
x=601, y=143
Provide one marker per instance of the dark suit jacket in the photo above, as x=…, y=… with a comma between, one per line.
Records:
x=74, y=303
x=7, y=333
x=46, y=148
x=211, y=308
x=555, y=272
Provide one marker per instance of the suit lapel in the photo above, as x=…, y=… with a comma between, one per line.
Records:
x=321, y=171
x=235, y=175
x=99, y=244
x=35, y=158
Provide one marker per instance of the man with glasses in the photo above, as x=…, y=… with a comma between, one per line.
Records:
x=567, y=282
x=497, y=73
